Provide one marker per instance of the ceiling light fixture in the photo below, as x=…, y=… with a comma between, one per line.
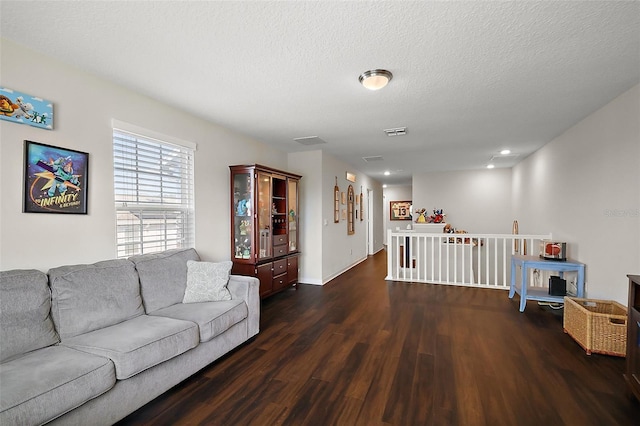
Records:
x=490, y=166
x=375, y=79
x=387, y=173
x=505, y=152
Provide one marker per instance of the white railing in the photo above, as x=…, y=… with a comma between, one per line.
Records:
x=479, y=260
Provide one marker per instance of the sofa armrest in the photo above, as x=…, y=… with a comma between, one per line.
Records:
x=248, y=289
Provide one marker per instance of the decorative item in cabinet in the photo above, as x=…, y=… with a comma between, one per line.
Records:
x=264, y=225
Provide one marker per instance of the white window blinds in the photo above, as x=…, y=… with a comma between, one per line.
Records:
x=153, y=182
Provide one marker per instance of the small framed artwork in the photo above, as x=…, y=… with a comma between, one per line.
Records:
x=400, y=210
x=343, y=198
x=336, y=202
x=350, y=211
x=350, y=177
x=55, y=179
x=25, y=109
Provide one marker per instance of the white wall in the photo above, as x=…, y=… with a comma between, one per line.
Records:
x=478, y=201
x=345, y=250
x=395, y=193
x=379, y=234
x=584, y=187
x=327, y=249
x=84, y=106
x=309, y=165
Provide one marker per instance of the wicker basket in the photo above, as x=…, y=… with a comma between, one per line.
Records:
x=599, y=326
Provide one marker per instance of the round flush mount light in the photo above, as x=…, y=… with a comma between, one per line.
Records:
x=375, y=79
x=490, y=166
x=505, y=152
x=387, y=173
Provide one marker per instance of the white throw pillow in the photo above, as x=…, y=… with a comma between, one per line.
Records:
x=207, y=281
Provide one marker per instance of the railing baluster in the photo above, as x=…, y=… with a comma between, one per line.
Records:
x=486, y=257
x=492, y=257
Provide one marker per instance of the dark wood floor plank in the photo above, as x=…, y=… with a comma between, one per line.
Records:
x=363, y=351
x=369, y=364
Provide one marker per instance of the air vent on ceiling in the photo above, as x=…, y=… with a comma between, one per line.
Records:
x=398, y=131
x=504, y=160
x=309, y=140
x=372, y=158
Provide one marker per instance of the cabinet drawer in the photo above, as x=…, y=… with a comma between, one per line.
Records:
x=279, y=267
x=279, y=250
x=279, y=240
x=280, y=281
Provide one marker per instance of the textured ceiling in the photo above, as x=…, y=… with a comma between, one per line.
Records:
x=470, y=78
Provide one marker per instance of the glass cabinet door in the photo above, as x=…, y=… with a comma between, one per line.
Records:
x=242, y=211
x=293, y=214
x=264, y=215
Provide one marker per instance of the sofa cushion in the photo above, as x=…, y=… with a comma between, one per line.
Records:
x=207, y=281
x=163, y=277
x=25, y=306
x=139, y=343
x=90, y=297
x=213, y=318
x=41, y=385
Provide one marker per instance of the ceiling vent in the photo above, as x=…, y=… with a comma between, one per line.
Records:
x=398, y=131
x=372, y=158
x=309, y=140
x=504, y=160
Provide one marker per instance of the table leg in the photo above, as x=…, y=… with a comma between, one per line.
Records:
x=523, y=291
x=580, y=283
x=512, y=287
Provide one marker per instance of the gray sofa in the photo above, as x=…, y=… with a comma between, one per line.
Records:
x=89, y=344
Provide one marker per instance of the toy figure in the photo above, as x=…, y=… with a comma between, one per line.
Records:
x=437, y=216
x=242, y=208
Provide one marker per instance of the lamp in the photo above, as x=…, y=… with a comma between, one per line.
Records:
x=375, y=79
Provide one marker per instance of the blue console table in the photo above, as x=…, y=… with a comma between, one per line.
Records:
x=541, y=293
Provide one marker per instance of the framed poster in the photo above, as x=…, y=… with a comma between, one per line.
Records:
x=25, y=109
x=55, y=179
x=400, y=210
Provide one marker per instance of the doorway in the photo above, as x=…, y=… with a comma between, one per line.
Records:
x=369, y=215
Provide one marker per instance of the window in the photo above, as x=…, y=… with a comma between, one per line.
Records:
x=153, y=185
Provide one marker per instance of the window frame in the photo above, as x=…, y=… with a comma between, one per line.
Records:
x=154, y=200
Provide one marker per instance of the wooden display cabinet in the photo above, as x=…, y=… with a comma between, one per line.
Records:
x=632, y=376
x=264, y=226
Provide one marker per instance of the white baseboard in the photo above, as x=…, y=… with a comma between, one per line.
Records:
x=326, y=280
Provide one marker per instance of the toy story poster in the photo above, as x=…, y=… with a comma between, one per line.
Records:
x=55, y=179
x=25, y=109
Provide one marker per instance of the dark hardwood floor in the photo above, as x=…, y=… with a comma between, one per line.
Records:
x=363, y=351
